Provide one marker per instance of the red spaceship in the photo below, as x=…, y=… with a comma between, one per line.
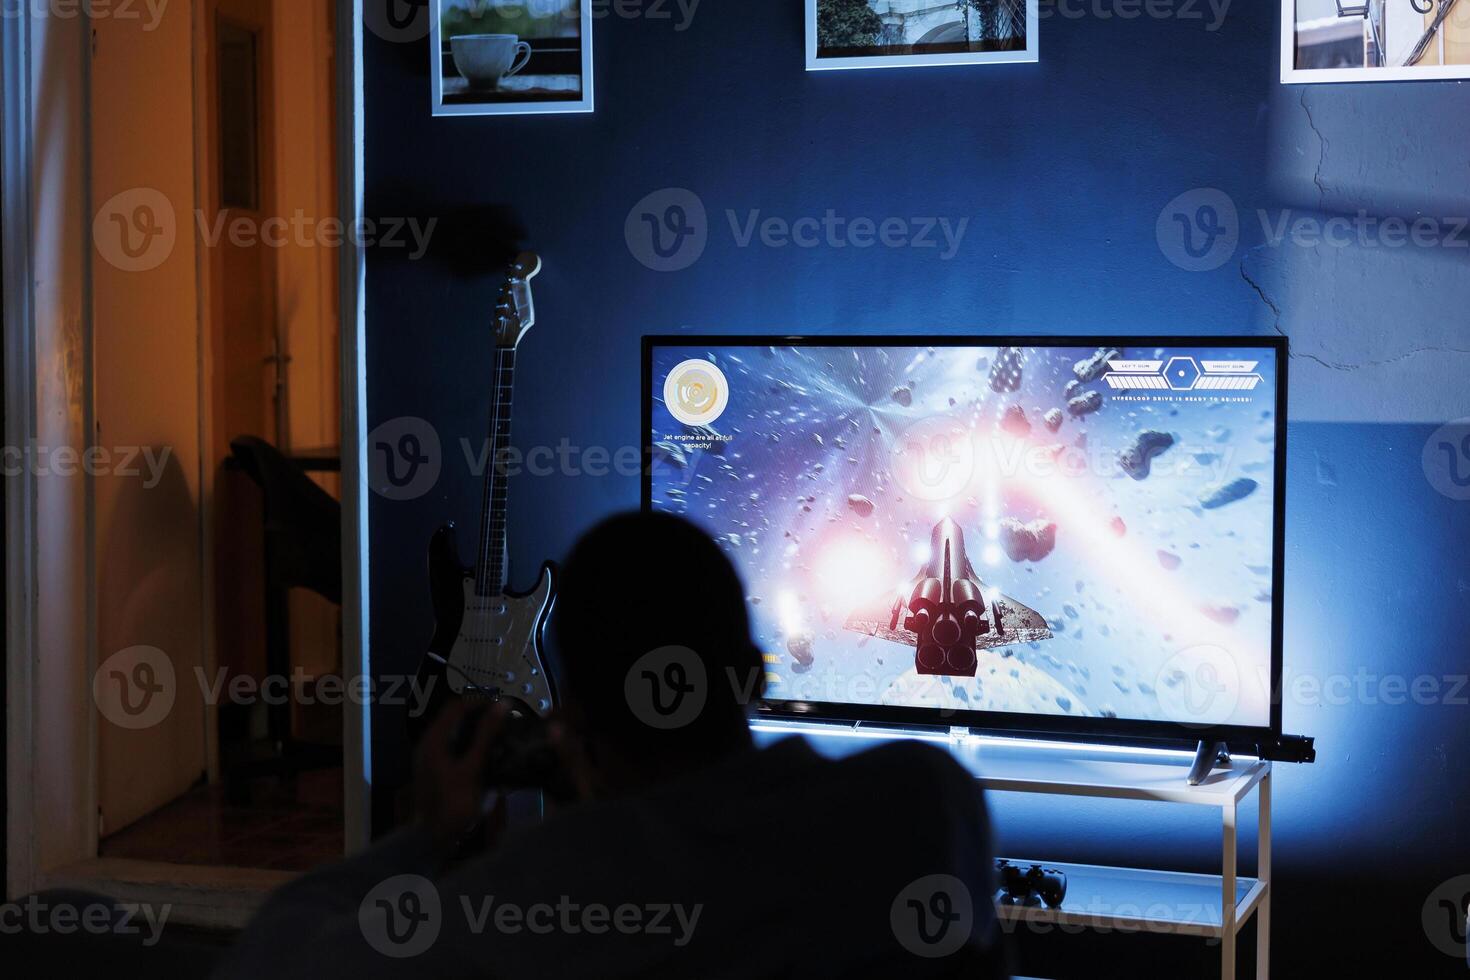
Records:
x=947, y=616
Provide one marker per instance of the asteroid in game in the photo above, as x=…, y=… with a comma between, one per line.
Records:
x=1005, y=373
x=1027, y=542
x=1229, y=493
x=1014, y=421
x=1137, y=460
x=1084, y=404
x=1092, y=368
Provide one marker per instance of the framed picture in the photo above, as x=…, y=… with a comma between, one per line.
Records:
x=496, y=57
x=905, y=33
x=1374, y=40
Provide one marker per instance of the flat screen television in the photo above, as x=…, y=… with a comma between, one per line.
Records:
x=1077, y=536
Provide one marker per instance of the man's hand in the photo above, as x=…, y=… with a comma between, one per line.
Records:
x=450, y=796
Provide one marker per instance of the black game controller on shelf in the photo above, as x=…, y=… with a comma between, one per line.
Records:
x=1032, y=885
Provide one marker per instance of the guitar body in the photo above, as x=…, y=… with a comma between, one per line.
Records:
x=489, y=647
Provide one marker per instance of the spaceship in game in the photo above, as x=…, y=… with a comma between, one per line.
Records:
x=948, y=614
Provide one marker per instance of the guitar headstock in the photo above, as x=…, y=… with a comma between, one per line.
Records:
x=515, y=310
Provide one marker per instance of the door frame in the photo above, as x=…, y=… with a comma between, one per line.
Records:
x=36, y=51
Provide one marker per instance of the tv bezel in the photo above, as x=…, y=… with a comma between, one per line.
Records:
x=1022, y=724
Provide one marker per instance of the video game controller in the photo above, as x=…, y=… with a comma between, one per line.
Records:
x=1031, y=886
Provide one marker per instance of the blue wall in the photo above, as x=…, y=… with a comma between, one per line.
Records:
x=1063, y=169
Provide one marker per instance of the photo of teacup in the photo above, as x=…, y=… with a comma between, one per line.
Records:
x=484, y=59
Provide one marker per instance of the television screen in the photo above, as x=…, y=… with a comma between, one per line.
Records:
x=1065, y=534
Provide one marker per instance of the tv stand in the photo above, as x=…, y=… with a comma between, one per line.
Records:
x=1206, y=758
x=1214, y=907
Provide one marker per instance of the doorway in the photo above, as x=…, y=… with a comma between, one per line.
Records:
x=244, y=364
x=169, y=298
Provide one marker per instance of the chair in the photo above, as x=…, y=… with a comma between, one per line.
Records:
x=303, y=549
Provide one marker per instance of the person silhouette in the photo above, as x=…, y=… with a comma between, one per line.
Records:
x=684, y=849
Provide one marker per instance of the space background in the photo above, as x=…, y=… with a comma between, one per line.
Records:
x=1137, y=523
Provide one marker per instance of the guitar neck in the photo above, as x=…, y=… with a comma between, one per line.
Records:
x=490, y=566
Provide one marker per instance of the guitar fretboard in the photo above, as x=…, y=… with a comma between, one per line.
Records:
x=490, y=570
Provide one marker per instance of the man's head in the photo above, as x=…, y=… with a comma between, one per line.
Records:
x=653, y=640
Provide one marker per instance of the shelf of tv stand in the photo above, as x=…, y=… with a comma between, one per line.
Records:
x=1174, y=903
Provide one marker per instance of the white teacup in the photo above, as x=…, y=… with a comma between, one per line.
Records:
x=484, y=59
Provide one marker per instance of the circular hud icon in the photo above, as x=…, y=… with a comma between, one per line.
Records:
x=696, y=392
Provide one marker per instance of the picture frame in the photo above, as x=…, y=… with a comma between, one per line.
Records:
x=510, y=57
x=847, y=34
x=1374, y=40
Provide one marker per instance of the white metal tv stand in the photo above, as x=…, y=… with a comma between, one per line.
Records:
x=1119, y=899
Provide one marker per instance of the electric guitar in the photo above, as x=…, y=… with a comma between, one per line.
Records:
x=487, y=641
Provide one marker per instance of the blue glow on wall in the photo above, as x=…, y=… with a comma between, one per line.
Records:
x=1066, y=175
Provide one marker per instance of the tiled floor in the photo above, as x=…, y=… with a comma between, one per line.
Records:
x=276, y=830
